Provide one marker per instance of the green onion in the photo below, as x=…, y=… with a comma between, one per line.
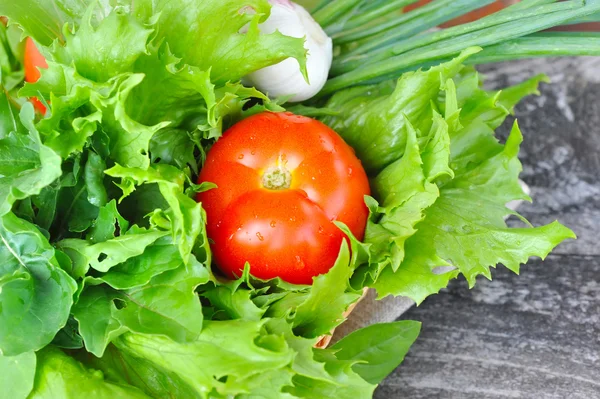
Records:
x=481, y=28
x=487, y=37
x=367, y=16
x=334, y=10
x=549, y=44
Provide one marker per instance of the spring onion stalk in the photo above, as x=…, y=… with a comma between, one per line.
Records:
x=329, y=13
x=447, y=48
x=362, y=33
x=350, y=62
x=551, y=44
x=365, y=17
x=417, y=25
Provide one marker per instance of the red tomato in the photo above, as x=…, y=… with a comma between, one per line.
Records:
x=32, y=62
x=282, y=180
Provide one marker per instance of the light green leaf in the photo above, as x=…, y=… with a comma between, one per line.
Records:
x=185, y=214
x=104, y=228
x=105, y=255
x=94, y=311
x=406, y=189
x=88, y=49
x=137, y=271
x=44, y=21
x=94, y=180
x=465, y=229
x=26, y=165
x=17, y=374
x=372, y=119
x=235, y=349
x=215, y=42
x=234, y=303
x=347, y=384
x=61, y=376
x=35, y=293
x=378, y=349
x=168, y=305
x=322, y=309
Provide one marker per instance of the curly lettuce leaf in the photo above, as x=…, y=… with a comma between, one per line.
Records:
x=463, y=229
x=406, y=188
x=108, y=224
x=232, y=349
x=105, y=255
x=346, y=383
x=372, y=119
x=185, y=215
x=35, y=293
x=220, y=47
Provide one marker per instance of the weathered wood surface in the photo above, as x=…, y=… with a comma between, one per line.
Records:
x=536, y=335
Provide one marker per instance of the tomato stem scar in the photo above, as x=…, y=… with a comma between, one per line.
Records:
x=277, y=178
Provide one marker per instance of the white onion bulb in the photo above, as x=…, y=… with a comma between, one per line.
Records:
x=285, y=78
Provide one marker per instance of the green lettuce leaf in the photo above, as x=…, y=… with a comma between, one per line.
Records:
x=166, y=305
x=17, y=374
x=465, y=229
x=232, y=349
x=372, y=119
x=26, y=165
x=378, y=349
x=60, y=376
x=105, y=255
x=88, y=51
x=185, y=215
x=35, y=293
x=327, y=300
x=108, y=224
x=94, y=312
x=406, y=188
x=11, y=57
x=220, y=47
x=346, y=383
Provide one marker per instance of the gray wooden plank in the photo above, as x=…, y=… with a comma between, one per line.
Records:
x=531, y=336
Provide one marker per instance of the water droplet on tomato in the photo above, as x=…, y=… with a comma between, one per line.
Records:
x=241, y=156
x=350, y=171
x=230, y=237
x=299, y=262
x=252, y=152
x=313, y=178
x=321, y=230
x=260, y=236
x=273, y=223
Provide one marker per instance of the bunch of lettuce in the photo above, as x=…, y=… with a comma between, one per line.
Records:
x=106, y=282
